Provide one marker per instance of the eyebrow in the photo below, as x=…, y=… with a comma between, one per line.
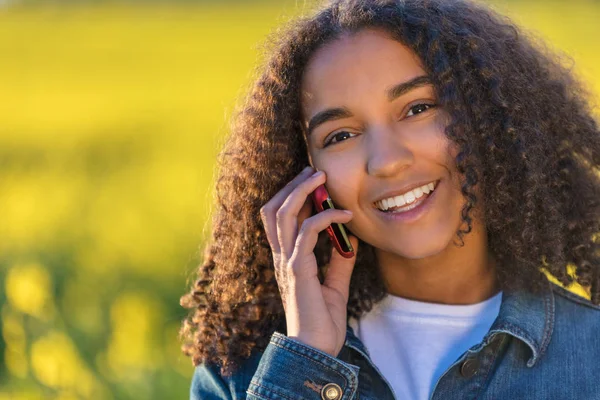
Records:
x=332, y=114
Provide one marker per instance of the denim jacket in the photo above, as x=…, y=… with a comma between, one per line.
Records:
x=539, y=347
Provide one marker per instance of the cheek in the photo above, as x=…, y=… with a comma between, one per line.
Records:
x=342, y=190
x=342, y=182
x=434, y=133
x=432, y=144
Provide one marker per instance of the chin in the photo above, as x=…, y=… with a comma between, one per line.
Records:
x=421, y=250
x=419, y=246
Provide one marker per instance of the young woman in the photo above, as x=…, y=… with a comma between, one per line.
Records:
x=468, y=159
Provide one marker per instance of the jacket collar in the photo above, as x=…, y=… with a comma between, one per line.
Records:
x=523, y=315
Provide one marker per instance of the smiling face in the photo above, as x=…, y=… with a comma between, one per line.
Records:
x=372, y=125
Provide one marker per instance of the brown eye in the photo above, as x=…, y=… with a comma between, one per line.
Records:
x=336, y=135
x=418, y=109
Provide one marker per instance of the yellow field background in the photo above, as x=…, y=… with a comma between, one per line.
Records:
x=111, y=115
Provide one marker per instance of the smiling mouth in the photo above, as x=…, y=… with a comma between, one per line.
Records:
x=408, y=200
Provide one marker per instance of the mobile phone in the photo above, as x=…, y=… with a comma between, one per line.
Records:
x=337, y=232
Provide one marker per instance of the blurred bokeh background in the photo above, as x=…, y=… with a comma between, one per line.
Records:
x=111, y=115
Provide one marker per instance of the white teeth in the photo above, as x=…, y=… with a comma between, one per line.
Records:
x=406, y=198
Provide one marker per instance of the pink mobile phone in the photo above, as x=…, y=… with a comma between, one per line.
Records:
x=336, y=231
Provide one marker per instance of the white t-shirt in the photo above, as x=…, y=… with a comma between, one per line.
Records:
x=413, y=342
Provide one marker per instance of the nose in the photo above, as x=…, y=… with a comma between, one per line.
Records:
x=388, y=153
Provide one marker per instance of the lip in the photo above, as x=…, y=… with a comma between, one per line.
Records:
x=397, y=192
x=415, y=213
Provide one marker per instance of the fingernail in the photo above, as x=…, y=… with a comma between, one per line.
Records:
x=347, y=212
x=317, y=174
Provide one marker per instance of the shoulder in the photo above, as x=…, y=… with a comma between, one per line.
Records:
x=574, y=322
x=209, y=382
x=573, y=312
x=573, y=300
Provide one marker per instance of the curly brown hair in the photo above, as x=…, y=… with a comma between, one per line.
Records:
x=525, y=132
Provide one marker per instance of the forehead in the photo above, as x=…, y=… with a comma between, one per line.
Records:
x=369, y=60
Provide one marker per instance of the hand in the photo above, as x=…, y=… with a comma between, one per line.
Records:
x=315, y=314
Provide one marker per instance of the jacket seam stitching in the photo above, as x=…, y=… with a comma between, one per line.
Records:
x=268, y=389
x=260, y=396
x=549, y=323
x=281, y=344
x=517, y=330
x=562, y=292
x=321, y=363
x=348, y=384
x=521, y=332
x=487, y=376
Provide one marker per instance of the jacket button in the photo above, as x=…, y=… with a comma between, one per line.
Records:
x=468, y=368
x=331, y=391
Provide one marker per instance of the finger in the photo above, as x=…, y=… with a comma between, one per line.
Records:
x=340, y=270
x=287, y=215
x=269, y=210
x=284, y=193
x=309, y=235
x=306, y=211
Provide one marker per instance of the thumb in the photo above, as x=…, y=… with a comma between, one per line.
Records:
x=340, y=269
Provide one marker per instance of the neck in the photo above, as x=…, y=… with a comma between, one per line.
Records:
x=457, y=275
